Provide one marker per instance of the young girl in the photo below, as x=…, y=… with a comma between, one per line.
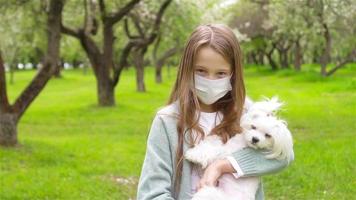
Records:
x=208, y=98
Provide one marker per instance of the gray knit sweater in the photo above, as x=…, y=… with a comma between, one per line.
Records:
x=157, y=175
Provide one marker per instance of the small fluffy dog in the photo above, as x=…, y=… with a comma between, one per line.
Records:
x=261, y=130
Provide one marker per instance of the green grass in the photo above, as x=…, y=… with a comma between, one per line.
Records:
x=73, y=149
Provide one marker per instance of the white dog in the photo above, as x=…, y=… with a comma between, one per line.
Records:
x=261, y=130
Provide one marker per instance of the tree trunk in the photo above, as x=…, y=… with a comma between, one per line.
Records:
x=101, y=65
x=104, y=85
x=251, y=58
x=159, y=73
x=57, y=72
x=8, y=129
x=283, y=58
x=260, y=57
x=283, y=47
x=272, y=62
x=269, y=56
x=138, y=62
x=316, y=56
x=297, y=56
x=325, y=57
x=160, y=62
x=105, y=89
x=140, y=79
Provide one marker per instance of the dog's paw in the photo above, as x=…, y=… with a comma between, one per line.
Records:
x=195, y=156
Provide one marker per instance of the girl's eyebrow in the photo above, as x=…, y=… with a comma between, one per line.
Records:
x=221, y=69
x=200, y=66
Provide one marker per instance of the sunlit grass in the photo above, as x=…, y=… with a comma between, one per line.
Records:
x=73, y=149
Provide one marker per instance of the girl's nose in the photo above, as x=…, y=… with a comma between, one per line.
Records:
x=211, y=77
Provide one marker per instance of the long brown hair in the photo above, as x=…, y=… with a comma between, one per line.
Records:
x=221, y=39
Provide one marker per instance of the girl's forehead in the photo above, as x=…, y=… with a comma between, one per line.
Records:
x=208, y=58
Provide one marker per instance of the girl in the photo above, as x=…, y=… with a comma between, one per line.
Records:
x=208, y=98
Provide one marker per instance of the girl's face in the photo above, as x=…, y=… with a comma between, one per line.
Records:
x=211, y=64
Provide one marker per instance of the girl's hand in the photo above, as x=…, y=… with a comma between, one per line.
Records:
x=213, y=172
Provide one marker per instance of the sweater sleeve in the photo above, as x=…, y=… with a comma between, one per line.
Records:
x=155, y=181
x=254, y=163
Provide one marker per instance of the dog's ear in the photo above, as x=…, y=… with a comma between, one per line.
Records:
x=283, y=143
x=272, y=105
x=275, y=104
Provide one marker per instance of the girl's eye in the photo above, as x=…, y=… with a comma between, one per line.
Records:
x=253, y=127
x=200, y=71
x=267, y=135
x=221, y=74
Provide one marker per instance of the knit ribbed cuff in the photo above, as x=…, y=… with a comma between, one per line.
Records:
x=246, y=160
x=236, y=166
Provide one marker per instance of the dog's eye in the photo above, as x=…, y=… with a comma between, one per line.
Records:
x=253, y=127
x=267, y=135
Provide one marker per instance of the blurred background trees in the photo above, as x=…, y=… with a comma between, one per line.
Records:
x=106, y=37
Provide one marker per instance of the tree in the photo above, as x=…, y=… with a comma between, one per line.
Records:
x=334, y=15
x=11, y=114
x=312, y=24
x=291, y=24
x=173, y=33
x=254, y=29
x=101, y=59
x=147, y=27
x=160, y=60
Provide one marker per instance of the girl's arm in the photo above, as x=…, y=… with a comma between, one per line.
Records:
x=252, y=162
x=249, y=162
x=156, y=176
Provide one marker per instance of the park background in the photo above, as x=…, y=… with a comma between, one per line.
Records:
x=80, y=82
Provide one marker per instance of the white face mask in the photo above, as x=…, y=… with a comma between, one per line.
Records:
x=209, y=91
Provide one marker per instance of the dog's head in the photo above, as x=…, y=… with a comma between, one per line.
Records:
x=270, y=133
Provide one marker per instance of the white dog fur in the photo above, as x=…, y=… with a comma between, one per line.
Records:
x=261, y=130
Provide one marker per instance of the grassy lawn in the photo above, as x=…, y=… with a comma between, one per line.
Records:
x=72, y=149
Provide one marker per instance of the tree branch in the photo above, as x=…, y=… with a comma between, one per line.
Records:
x=102, y=8
x=123, y=61
x=351, y=57
x=117, y=16
x=71, y=32
x=158, y=20
x=155, y=47
x=127, y=30
x=137, y=25
x=90, y=23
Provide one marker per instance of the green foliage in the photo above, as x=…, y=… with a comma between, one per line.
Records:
x=305, y=20
x=22, y=31
x=72, y=149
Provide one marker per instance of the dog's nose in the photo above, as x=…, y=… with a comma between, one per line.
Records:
x=255, y=140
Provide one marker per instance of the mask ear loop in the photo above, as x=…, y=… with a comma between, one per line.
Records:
x=231, y=75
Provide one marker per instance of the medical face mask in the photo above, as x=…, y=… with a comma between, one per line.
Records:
x=209, y=91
